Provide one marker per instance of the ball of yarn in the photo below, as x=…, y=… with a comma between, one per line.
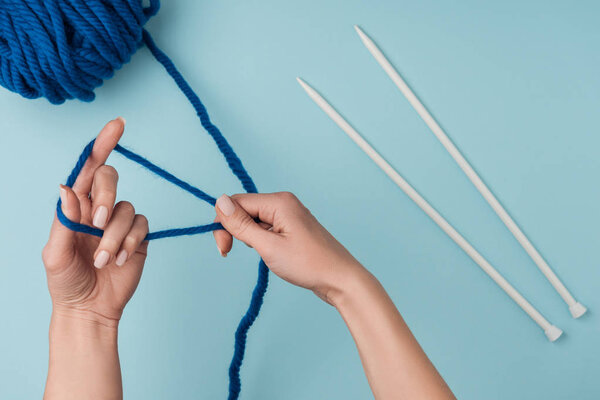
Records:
x=64, y=49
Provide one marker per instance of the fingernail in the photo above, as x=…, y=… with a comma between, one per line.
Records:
x=100, y=217
x=101, y=259
x=221, y=252
x=123, y=120
x=63, y=195
x=225, y=205
x=121, y=258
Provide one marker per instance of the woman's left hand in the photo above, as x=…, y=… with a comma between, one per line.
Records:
x=91, y=277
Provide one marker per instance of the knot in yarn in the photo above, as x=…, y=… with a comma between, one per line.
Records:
x=64, y=49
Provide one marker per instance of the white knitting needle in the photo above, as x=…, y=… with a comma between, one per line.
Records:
x=577, y=309
x=551, y=331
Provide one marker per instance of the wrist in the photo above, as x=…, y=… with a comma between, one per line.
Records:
x=84, y=359
x=80, y=326
x=353, y=285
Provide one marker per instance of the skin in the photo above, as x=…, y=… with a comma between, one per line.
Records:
x=91, y=280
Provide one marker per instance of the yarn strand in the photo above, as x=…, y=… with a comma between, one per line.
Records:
x=236, y=166
x=77, y=227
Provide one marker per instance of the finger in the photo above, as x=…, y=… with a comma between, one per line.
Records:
x=242, y=226
x=117, y=229
x=266, y=206
x=264, y=225
x=104, y=193
x=60, y=243
x=133, y=240
x=223, y=239
x=105, y=143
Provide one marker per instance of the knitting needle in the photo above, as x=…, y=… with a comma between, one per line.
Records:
x=551, y=331
x=577, y=309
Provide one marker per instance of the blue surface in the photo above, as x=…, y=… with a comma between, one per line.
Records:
x=515, y=85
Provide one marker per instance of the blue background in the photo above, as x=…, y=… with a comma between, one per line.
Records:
x=515, y=85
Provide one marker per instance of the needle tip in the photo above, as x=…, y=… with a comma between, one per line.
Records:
x=302, y=83
x=360, y=32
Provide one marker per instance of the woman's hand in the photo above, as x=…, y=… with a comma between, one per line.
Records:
x=289, y=239
x=91, y=279
x=89, y=276
x=298, y=249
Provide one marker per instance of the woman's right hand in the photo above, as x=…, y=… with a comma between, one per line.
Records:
x=297, y=248
x=293, y=244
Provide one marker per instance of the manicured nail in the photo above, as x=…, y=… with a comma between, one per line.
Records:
x=101, y=259
x=121, y=258
x=100, y=217
x=225, y=205
x=221, y=252
x=123, y=120
x=63, y=196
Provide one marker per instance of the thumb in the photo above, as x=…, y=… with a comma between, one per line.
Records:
x=241, y=225
x=60, y=244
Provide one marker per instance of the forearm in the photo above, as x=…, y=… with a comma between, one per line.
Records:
x=84, y=362
x=395, y=364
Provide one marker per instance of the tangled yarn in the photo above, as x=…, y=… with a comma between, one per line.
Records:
x=64, y=49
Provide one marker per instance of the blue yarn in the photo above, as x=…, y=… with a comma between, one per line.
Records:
x=77, y=227
x=236, y=166
x=232, y=159
x=64, y=49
